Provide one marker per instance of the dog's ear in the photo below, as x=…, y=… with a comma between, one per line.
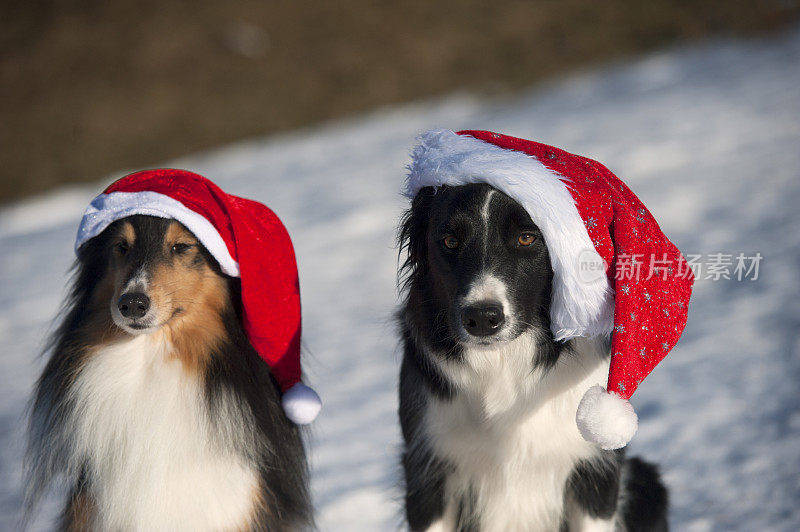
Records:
x=412, y=237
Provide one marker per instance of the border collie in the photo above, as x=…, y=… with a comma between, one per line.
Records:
x=153, y=406
x=487, y=396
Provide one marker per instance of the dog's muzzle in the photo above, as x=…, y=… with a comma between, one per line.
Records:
x=483, y=319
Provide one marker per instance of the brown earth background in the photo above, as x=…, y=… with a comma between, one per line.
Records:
x=89, y=87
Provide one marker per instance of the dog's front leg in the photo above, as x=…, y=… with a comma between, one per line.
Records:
x=592, y=495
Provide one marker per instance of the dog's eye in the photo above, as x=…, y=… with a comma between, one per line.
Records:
x=450, y=242
x=179, y=249
x=526, y=239
x=121, y=248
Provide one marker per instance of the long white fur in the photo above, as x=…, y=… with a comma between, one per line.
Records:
x=584, y=523
x=581, y=305
x=141, y=425
x=510, y=432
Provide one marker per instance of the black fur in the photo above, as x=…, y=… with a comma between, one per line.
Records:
x=594, y=484
x=433, y=279
x=275, y=445
x=646, y=501
x=280, y=456
x=425, y=473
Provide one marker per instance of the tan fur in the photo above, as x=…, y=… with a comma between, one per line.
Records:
x=79, y=514
x=195, y=299
x=260, y=505
x=127, y=233
x=189, y=298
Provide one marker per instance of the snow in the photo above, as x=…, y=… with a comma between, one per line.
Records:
x=707, y=136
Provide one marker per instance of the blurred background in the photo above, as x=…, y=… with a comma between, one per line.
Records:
x=88, y=87
x=312, y=108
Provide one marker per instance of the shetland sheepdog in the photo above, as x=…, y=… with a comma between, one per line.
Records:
x=487, y=396
x=153, y=407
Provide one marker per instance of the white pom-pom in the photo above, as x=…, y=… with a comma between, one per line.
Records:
x=301, y=404
x=606, y=418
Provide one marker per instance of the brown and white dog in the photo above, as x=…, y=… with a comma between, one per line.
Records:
x=154, y=406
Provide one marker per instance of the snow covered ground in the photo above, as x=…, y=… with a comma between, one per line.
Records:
x=708, y=137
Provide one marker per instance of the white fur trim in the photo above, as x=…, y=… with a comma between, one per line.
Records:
x=583, y=305
x=301, y=404
x=107, y=208
x=606, y=418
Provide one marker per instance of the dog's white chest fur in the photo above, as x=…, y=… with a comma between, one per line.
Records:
x=142, y=428
x=511, y=434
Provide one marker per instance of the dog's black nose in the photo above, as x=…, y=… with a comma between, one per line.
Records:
x=133, y=305
x=482, y=319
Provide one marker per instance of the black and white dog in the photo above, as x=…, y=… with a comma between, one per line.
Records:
x=487, y=395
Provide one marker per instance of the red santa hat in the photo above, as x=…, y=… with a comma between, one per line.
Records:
x=614, y=271
x=248, y=241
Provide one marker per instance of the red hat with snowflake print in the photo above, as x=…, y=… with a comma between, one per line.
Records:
x=614, y=271
x=248, y=241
